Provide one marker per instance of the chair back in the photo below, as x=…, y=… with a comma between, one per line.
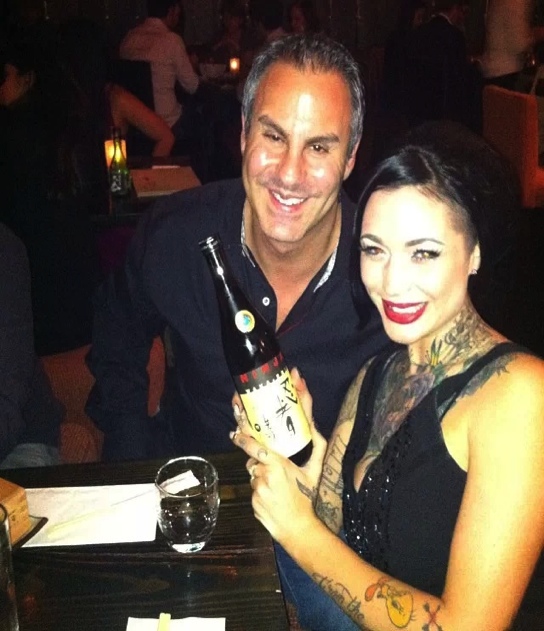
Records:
x=71, y=381
x=510, y=124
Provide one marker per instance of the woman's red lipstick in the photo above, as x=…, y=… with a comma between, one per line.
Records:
x=403, y=313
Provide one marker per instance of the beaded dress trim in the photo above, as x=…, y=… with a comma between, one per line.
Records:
x=366, y=512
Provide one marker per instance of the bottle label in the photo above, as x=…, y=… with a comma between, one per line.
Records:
x=273, y=408
x=244, y=321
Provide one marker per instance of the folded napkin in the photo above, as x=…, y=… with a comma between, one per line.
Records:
x=80, y=515
x=183, y=624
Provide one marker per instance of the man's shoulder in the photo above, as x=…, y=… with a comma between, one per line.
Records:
x=198, y=210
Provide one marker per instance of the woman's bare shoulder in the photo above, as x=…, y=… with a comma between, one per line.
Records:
x=509, y=392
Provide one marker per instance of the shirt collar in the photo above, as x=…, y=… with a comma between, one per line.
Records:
x=326, y=272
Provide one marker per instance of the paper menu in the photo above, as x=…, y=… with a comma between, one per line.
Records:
x=163, y=181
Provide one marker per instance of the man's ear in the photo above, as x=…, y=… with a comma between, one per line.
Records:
x=350, y=162
x=243, y=135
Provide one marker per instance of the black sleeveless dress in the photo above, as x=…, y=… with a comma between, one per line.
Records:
x=402, y=519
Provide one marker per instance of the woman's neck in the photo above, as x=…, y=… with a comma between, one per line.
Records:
x=467, y=338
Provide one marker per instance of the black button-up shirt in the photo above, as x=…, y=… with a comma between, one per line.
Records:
x=165, y=288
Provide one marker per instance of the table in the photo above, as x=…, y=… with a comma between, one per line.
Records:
x=126, y=211
x=96, y=588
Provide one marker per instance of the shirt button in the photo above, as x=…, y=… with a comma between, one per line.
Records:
x=266, y=301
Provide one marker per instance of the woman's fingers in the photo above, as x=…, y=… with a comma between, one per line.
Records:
x=240, y=415
x=253, y=448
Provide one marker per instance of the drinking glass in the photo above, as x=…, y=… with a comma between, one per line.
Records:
x=188, y=502
x=8, y=605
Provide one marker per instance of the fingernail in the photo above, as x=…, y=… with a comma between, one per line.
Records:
x=299, y=372
x=236, y=410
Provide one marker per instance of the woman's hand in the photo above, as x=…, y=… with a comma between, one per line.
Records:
x=283, y=493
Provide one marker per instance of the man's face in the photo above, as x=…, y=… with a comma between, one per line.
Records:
x=295, y=153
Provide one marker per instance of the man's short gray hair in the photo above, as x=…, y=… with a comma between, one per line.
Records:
x=309, y=52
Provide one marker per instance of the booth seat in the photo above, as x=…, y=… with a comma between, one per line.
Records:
x=71, y=381
x=510, y=124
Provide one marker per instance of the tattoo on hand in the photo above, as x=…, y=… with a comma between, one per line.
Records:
x=341, y=595
x=399, y=603
x=328, y=513
x=306, y=490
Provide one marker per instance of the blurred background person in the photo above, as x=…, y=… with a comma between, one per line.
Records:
x=84, y=51
x=412, y=14
x=229, y=41
x=441, y=83
x=174, y=79
x=508, y=39
x=303, y=17
x=51, y=178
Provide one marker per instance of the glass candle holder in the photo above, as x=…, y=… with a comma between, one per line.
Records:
x=234, y=65
x=108, y=150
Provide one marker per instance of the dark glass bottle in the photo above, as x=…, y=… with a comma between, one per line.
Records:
x=119, y=173
x=257, y=366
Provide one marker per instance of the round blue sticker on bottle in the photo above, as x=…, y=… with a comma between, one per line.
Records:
x=244, y=320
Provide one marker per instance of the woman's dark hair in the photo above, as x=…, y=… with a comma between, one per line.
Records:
x=56, y=108
x=446, y=161
x=84, y=54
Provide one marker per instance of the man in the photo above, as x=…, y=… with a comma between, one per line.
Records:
x=156, y=42
x=287, y=231
x=441, y=83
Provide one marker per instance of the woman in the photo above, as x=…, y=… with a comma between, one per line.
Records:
x=49, y=174
x=84, y=53
x=435, y=470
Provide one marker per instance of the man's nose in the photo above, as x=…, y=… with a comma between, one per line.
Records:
x=291, y=167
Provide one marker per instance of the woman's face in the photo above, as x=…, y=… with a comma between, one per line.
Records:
x=415, y=263
x=14, y=86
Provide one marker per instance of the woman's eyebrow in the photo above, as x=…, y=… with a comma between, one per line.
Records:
x=420, y=241
x=409, y=244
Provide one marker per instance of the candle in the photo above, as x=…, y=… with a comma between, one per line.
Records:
x=234, y=65
x=108, y=150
